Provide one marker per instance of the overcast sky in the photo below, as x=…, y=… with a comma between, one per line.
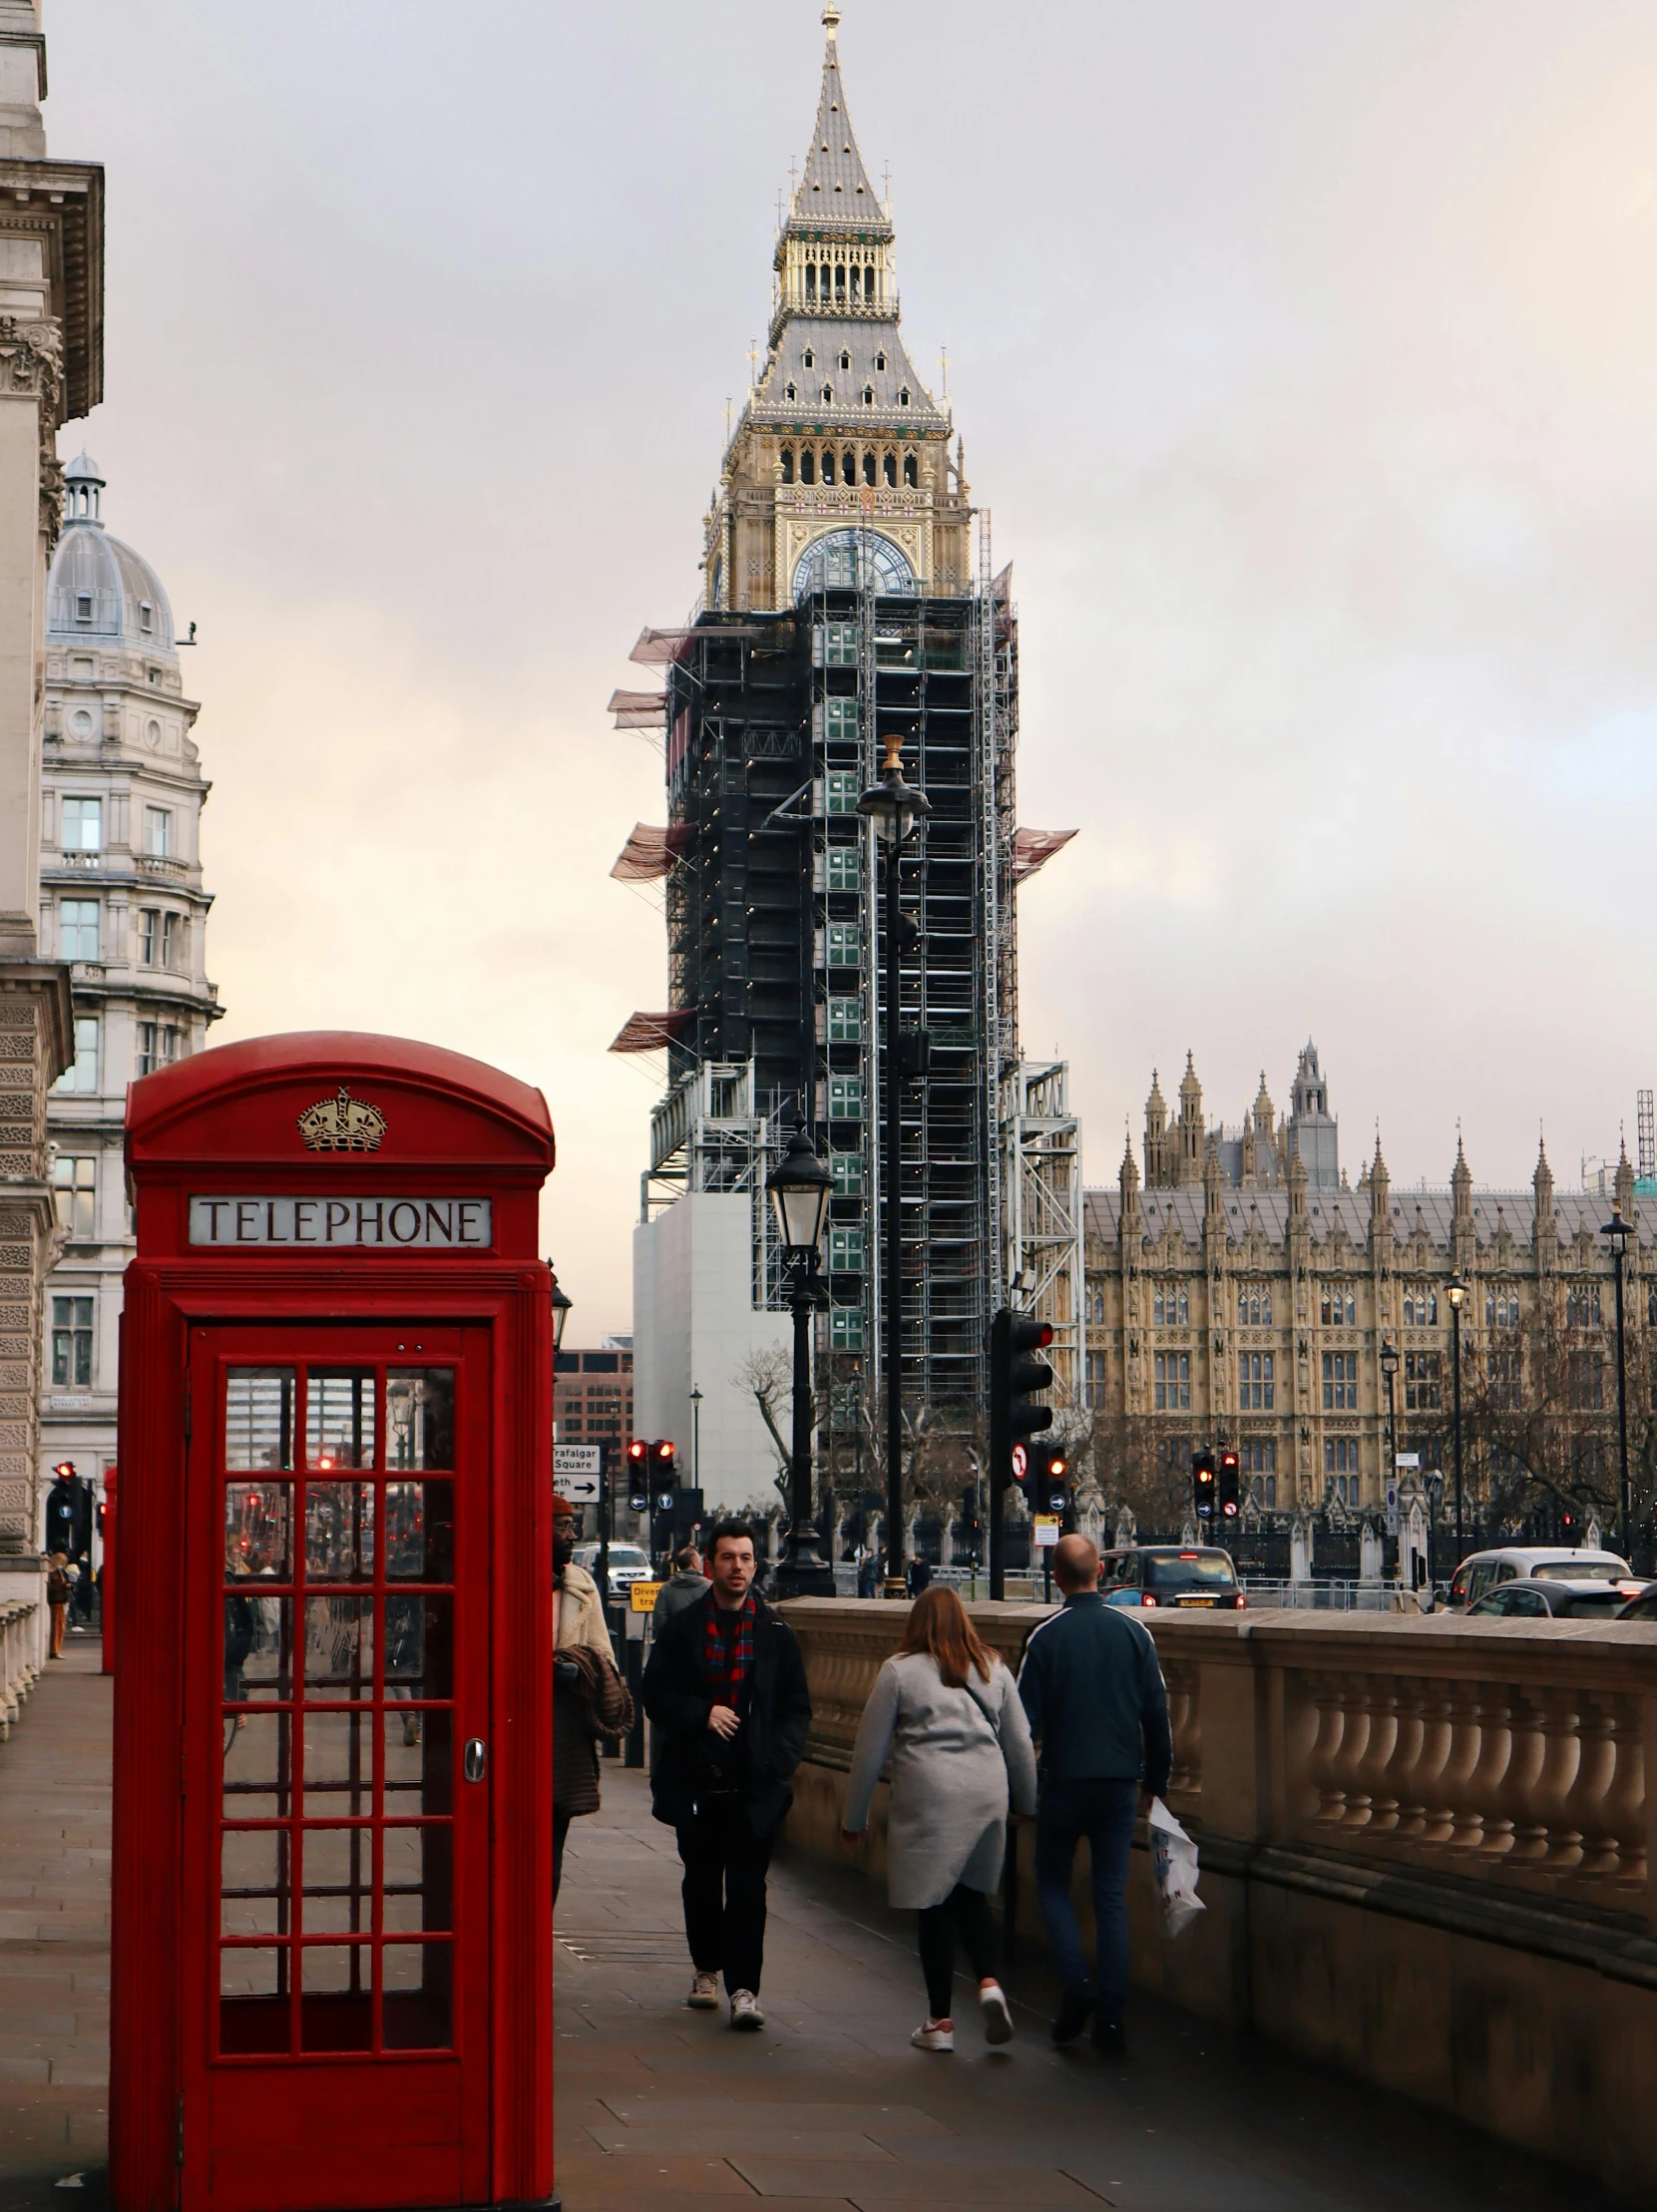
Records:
x=1306, y=354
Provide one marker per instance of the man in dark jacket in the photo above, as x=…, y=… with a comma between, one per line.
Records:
x=1098, y=1706
x=725, y=1686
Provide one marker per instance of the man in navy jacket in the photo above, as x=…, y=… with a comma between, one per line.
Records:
x=1098, y=1709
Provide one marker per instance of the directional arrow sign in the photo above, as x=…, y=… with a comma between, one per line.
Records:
x=577, y=1472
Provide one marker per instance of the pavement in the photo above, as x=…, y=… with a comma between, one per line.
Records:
x=666, y=2111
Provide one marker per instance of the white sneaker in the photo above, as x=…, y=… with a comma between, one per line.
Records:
x=998, y=2020
x=934, y=2037
x=704, y=1994
x=744, y=2010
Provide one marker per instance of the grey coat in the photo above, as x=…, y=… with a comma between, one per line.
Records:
x=954, y=1755
x=673, y=1597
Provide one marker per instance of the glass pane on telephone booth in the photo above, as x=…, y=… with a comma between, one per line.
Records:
x=337, y=1904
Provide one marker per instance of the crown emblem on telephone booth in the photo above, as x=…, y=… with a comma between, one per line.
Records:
x=342, y=1125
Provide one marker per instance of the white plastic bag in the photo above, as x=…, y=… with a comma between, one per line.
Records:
x=1175, y=1858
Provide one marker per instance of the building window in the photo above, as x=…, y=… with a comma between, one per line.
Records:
x=82, y=610
x=83, y=825
x=1420, y=1381
x=840, y=793
x=845, y=946
x=172, y=940
x=75, y=1193
x=1171, y=1381
x=1506, y=1378
x=146, y=617
x=1338, y=1307
x=1096, y=1312
x=844, y=873
x=158, y=1045
x=157, y=832
x=840, y=720
x=848, y=1175
x=808, y=360
x=845, y=1022
x=1421, y=1306
x=81, y=1073
x=1339, y=1456
x=903, y=396
x=148, y=935
x=788, y=457
x=845, y=358
x=880, y=365
x=846, y=1329
x=1588, y=1382
x=1582, y=1306
x=1256, y=1388
x=1254, y=1306
x=1170, y=1307
x=1096, y=1378
x=1339, y=1382
x=911, y=469
x=868, y=401
x=828, y=401
x=844, y=1098
x=77, y=939
x=72, y=1342
x=1501, y=1306
x=808, y=459
x=1264, y=1491
x=1257, y=1457
x=845, y=1251
x=888, y=469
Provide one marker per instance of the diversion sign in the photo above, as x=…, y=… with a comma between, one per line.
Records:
x=406, y=1224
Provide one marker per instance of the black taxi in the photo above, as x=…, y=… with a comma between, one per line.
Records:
x=1192, y=1577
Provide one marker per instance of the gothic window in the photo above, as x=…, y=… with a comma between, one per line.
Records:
x=1421, y=1306
x=808, y=360
x=1340, y=1456
x=788, y=464
x=868, y=468
x=889, y=468
x=1340, y=1381
x=880, y=364
x=828, y=395
x=1338, y=1307
x=1507, y=1380
x=1259, y=1458
x=828, y=465
x=1170, y=1307
x=844, y=360
x=868, y=401
x=1588, y=1382
x=1094, y=1384
x=848, y=468
x=1420, y=1381
x=1256, y=1383
x=808, y=467
x=903, y=397
x=1582, y=1306
x=840, y=281
x=911, y=472
x=790, y=391
x=857, y=282
x=811, y=280
x=1254, y=1306
x=1265, y=1490
x=1171, y=1381
x=1501, y=1306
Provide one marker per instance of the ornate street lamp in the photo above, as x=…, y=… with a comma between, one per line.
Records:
x=1456, y=1290
x=1388, y=1368
x=1619, y=1231
x=562, y=1302
x=801, y=1188
x=894, y=808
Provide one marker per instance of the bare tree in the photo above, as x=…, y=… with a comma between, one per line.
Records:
x=1539, y=1409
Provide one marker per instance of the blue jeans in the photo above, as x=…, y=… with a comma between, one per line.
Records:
x=1104, y=1812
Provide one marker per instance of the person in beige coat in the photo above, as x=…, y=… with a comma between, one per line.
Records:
x=948, y=1713
x=590, y=1699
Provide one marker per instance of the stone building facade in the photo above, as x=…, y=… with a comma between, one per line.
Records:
x=121, y=901
x=1253, y=1309
x=51, y=371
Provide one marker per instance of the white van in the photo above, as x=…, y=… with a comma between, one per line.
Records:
x=1482, y=1570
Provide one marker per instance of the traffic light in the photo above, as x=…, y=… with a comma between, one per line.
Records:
x=1055, y=1482
x=972, y=1528
x=1228, y=1484
x=1016, y=1374
x=1202, y=1483
x=638, y=1475
x=664, y=1480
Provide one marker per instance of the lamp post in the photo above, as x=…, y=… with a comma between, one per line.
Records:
x=801, y=1188
x=695, y=1440
x=894, y=807
x=1619, y=1231
x=1388, y=1368
x=1456, y=1290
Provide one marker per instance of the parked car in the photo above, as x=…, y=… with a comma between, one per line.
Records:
x=1188, y=1577
x=1643, y=1607
x=1483, y=1570
x=1538, y=1597
x=628, y=1565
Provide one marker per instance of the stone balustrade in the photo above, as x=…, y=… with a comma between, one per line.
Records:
x=20, y=1628
x=1427, y=1848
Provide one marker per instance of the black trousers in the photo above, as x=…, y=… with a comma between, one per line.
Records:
x=965, y=1912
x=724, y=1892
x=561, y=1829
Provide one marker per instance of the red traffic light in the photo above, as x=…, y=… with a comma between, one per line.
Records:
x=662, y=1448
x=637, y=1451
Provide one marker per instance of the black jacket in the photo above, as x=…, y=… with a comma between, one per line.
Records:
x=1095, y=1696
x=679, y=1700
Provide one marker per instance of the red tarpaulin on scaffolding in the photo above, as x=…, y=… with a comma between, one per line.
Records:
x=652, y=1033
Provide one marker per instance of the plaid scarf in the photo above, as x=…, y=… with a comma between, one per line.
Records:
x=728, y=1660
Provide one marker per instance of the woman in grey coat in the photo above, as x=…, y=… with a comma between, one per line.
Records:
x=949, y=1713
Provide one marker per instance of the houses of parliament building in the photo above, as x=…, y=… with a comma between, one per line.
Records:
x=1239, y=1289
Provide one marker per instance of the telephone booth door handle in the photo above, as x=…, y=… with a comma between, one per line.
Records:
x=474, y=1760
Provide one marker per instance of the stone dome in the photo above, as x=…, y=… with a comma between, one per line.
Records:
x=97, y=587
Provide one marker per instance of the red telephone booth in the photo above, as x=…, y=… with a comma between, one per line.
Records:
x=332, y=1938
